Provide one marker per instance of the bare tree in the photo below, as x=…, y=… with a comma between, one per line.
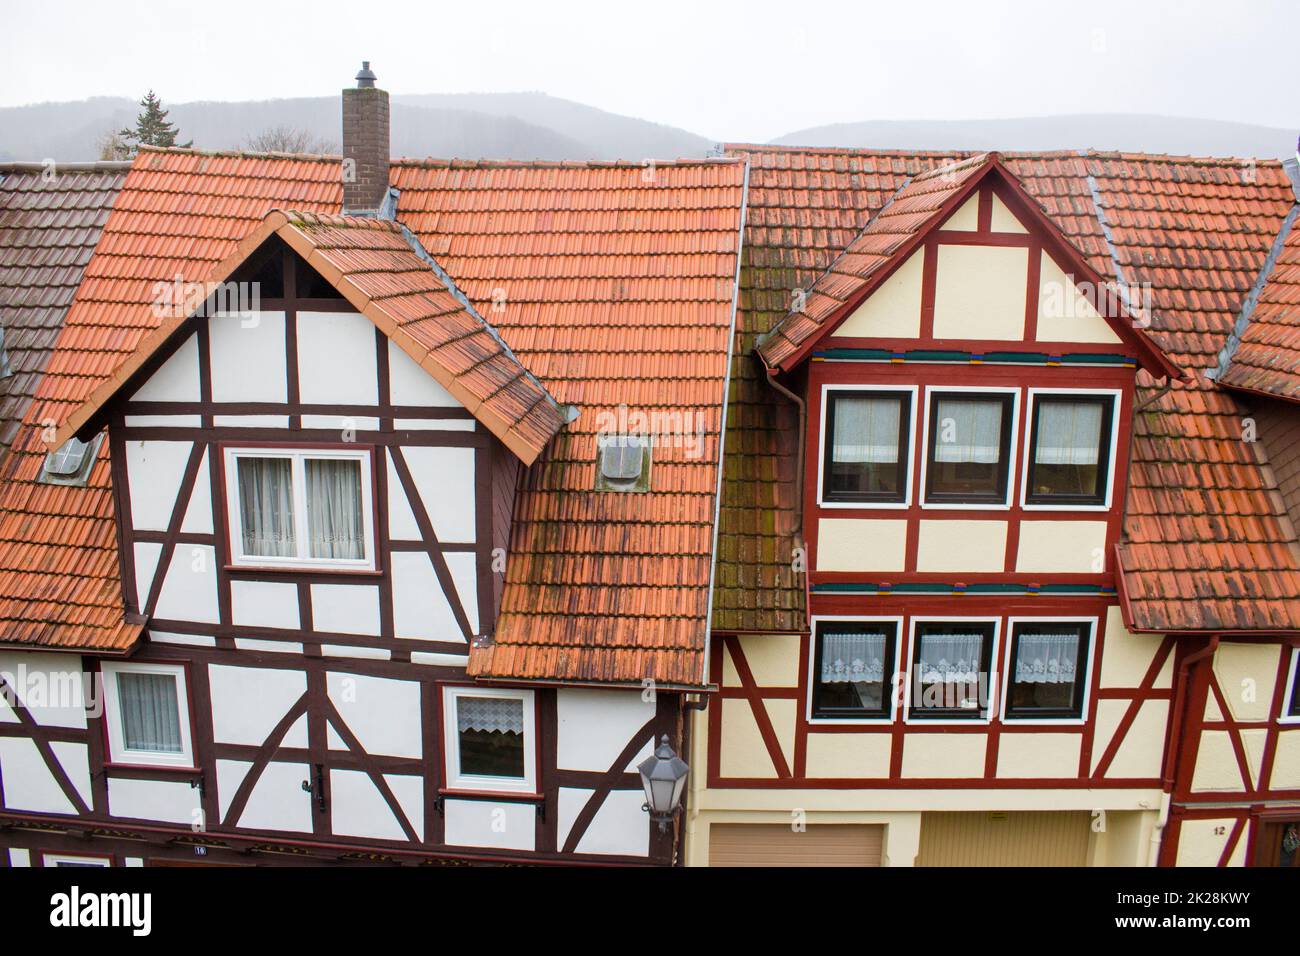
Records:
x=112, y=146
x=288, y=139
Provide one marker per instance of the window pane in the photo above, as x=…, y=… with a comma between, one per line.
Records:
x=852, y=674
x=266, y=506
x=864, y=446
x=949, y=670
x=1068, y=450
x=491, y=733
x=151, y=718
x=334, y=517
x=967, y=447
x=1044, y=672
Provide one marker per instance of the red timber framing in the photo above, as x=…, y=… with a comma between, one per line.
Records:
x=926, y=376
x=1254, y=811
x=330, y=745
x=1096, y=753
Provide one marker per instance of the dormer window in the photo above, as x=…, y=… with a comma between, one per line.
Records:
x=71, y=462
x=623, y=463
x=970, y=434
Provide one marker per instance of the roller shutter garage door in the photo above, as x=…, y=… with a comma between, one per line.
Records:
x=1004, y=839
x=776, y=844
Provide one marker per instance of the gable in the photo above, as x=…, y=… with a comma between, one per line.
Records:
x=322, y=266
x=962, y=259
x=991, y=280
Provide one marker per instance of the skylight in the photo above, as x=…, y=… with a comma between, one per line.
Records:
x=71, y=462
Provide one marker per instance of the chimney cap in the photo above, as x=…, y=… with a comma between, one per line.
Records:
x=366, y=77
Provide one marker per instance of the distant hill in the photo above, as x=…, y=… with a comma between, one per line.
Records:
x=1131, y=132
x=538, y=126
x=491, y=126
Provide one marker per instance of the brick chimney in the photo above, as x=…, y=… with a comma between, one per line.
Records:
x=365, y=144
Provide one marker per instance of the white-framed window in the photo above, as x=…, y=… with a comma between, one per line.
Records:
x=490, y=739
x=951, y=676
x=866, y=458
x=74, y=860
x=1291, y=702
x=970, y=446
x=147, y=711
x=301, y=507
x=1069, y=459
x=853, y=666
x=1048, y=667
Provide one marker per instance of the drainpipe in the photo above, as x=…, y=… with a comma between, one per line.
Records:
x=1175, y=737
x=800, y=465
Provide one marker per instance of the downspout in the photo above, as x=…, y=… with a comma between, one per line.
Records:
x=1175, y=738
x=800, y=465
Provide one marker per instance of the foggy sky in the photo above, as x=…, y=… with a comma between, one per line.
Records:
x=727, y=70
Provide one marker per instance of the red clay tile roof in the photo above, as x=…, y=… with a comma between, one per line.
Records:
x=380, y=268
x=613, y=283
x=1263, y=355
x=1188, y=235
x=50, y=219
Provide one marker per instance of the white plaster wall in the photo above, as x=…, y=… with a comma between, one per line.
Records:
x=51, y=687
x=28, y=785
x=504, y=826
x=277, y=801
x=620, y=826
x=189, y=592
x=411, y=385
x=336, y=359
x=595, y=725
x=444, y=479
x=248, y=358
x=264, y=604
x=357, y=808
x=247, y=703
x=170, y=801
x=345, y=608
x=383, y=713
x=420, y=609
x=154, y=470
x=177, y=379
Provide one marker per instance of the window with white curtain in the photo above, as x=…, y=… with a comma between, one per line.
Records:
x=866, y=445
x=1048, y=669
x=300, y=507
x=146, y=710
x=1069, y=459
x=489, y=739
x=969, y=447
x=952, y=669
x=853, y=669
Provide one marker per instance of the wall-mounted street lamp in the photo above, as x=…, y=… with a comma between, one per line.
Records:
x=663, y=775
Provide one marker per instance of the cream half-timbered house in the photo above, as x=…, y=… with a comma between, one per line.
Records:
x=967, y=691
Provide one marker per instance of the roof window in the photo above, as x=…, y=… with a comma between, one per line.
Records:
x=623, y=463
x=71, y=462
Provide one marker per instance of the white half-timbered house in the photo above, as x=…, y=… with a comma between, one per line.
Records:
x=330, y=476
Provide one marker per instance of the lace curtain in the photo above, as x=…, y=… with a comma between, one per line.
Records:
x=968, y=431
x=853, y=658
x=150, y=713
x=334, y=523
x=1047, y=658
x=266, y=506
x=1069, y=433
x=866, y=430
x=950, y=658
x=504, y=714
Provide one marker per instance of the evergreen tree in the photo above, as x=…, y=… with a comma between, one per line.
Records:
x=152, y=127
